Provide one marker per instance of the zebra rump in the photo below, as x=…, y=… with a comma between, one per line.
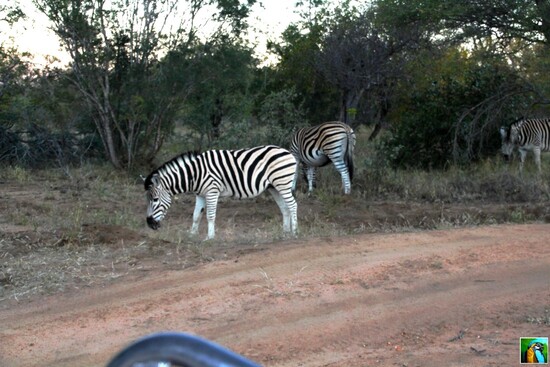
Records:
x=240, y=174
x=318, y=146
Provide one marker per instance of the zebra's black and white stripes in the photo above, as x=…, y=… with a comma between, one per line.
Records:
x=527, y=135
x=243, y=173
x=320, y=145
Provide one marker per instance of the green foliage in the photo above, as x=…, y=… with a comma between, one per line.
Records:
x=298, y=52
x=43, y=123
x=451, y=110
x=277, y=120
x=470, y=20
x=534, y=62
x=282, y=115
x=115, y=52
x=277, y=117
x=223, y=69
x=235, y=12
x=389, y=63
x=11, y=13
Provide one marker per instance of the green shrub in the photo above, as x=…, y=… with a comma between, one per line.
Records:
x=450, y=111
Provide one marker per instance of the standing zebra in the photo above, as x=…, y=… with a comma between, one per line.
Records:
x=243, y=173
x=320, y=145
x=528, y=135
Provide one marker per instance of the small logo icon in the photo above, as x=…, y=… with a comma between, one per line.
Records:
x=533, y=350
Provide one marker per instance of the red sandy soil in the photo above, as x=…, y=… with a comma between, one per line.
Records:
x=460, y=297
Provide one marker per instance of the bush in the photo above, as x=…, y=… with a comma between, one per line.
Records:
x=11, y=146
x=450, y=114
x=39, y=147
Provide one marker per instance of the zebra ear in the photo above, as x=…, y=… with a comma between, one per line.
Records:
x=155, y=180
x=143, y=177
x=503, y=132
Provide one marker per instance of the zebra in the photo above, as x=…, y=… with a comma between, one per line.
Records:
x=320, y=145
x=528, y=135
x=243, y=173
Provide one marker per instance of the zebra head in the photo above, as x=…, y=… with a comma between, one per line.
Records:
x=159, y=200
x=509, y=137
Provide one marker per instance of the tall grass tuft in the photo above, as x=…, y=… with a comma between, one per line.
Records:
x=490, y=180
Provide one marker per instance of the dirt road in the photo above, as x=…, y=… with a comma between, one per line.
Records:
x=441, y=298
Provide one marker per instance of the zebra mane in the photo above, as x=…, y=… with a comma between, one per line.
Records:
x=516, y=123
x=149, y=180
x=185, y=156
x=519, y=121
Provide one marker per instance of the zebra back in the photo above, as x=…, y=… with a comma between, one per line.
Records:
x=530, y=132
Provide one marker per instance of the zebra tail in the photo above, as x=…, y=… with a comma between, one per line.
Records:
x=349, y=153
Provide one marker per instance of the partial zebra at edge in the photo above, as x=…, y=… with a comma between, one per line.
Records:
x=243, y=173
x=527, y=135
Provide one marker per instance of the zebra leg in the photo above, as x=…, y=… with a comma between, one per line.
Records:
x=295, y=179
x=341, y=167
x=282, y=206
x=522, y=155
x=536, y=152
x=293, y=209
x=286, y=202
x=211, y=206
x=197, y=214
x=310, y=174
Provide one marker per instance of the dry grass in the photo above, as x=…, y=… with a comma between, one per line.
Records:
x=74, y=228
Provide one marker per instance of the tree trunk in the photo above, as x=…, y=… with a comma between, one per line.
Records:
x=381, y=121
x=216, y=119
x=109, y=142
x=350, y=101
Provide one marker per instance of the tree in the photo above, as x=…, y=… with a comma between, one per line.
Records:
x=364, y=59
x=11, y=13
x=14, y=76
x=500, y=75
x=224, y=69
x=115, y=46
x=354, y=57
x=14, y=73
x=12, y=64
x=504, y=20
x=451, y=113
x=297, y=52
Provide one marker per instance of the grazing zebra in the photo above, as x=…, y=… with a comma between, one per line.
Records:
x=244, y=173
x=320, y=145
x=528, y=135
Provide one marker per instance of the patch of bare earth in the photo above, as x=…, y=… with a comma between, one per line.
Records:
x=459, y=297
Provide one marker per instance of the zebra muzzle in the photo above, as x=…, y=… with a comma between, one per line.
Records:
x=152, y=223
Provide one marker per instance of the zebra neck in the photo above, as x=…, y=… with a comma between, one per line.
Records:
x=181, y=174
x=175, y=180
